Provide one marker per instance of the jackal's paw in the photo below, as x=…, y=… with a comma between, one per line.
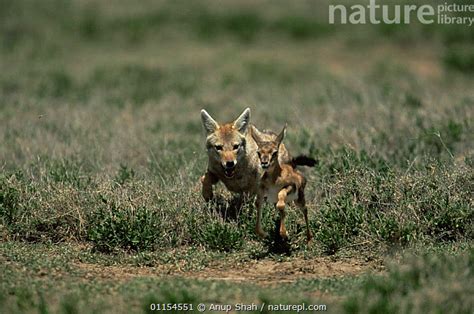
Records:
x=283, y=234
x=262, y=234
x=207, y=196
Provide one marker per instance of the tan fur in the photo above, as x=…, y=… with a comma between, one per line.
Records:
x=230, y=143
x=281, y=183
x=269, y=136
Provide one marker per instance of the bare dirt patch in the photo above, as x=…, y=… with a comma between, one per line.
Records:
x=269, y=272
x=261, y=272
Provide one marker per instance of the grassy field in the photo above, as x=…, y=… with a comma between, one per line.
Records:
x=102, y=149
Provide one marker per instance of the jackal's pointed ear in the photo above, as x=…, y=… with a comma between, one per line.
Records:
x=242, y=121
x=210, y=125
x=281, y=136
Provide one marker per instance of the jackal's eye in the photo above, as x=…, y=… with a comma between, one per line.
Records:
x=259, y=155
x=218, y=147
x=275, y=154
x=236, y=146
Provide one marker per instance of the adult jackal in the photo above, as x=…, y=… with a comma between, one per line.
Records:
x=232, y=156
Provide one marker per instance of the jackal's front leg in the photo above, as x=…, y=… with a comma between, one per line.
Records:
x=243, y=199
x=280, y=205
x=208, y=180
x=258, y=226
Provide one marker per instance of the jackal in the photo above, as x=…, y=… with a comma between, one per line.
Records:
x=232, y=153
x=281, y=182
x=232, y=156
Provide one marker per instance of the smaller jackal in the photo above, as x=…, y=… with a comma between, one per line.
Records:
x=281, y=182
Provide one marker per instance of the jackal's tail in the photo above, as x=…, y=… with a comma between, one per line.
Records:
x=303, y=160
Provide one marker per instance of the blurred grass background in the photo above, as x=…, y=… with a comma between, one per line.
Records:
x=101, y=140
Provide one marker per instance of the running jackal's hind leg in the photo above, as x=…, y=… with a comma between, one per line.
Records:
x=301, y=203
x=258, y=226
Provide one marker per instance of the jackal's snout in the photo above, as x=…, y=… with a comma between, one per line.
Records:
x=229, y=168
x=267, y=154
x=265, y=162
x=229, y=163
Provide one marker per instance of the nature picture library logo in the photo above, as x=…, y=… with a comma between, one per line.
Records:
x=375, y=13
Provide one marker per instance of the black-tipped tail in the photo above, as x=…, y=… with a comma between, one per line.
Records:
x=303, y=161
